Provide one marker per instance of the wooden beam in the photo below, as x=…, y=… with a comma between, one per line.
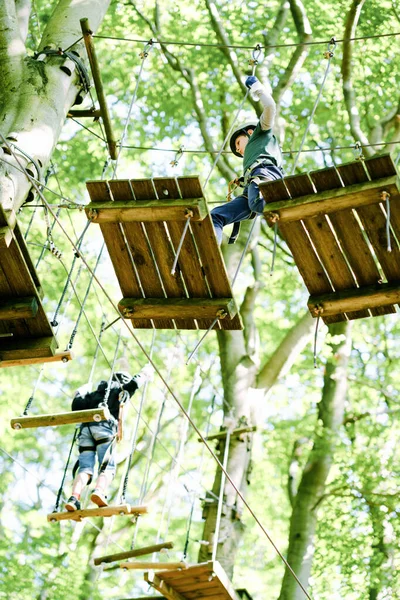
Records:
x=154, y=566
x=236, y=432
x=22, y=362
x=177, y=308
x=351, y=196
x=160, y=585
x=105, y=511
x=355, y=299
x=133, y=553
x=23, y=348
x=96, y=113
x=94, y=65
x=146, y=210
x=18, y=308
x=6, y=236
x=224, y=580
x=77, y=416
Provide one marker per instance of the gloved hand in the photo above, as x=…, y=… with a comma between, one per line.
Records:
x=251, y=80
x=147, y=373
x=83, y=390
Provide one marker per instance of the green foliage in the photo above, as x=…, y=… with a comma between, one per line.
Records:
x=358, y=530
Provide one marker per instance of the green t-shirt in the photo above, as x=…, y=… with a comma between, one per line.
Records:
x=262, y=145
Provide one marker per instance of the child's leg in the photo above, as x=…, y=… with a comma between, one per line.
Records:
x=260, y=174
x=87, y=457
x=107, y=466
x=231, y=212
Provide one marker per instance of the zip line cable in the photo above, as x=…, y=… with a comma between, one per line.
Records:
x=140, y=345
x=237, y=46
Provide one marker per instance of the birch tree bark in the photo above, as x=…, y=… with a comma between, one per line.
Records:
x=311, y=489
x=37, y=94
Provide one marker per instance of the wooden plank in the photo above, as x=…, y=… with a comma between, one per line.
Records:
x=353, y=240
x=21, y=284
x=162, y=587
x=214, y=266
x=94, y=415
x=146, y=268
x=153, y=566
x=380, y=166
x=121, y=190
x=20, y=308
x=123, y=266
x=235, y=433
x=133, y=553
x=190, y=187
x=174, y=308
x=146, y=210
x=360, y=298
x=189, y=265
x=273, y=190
x=332, y=200
x=161, y=248
x=105, y=511
x=22, y=362
x=374, y=223
x=99, y=191
x=167, y=188
x=27, y=348
x=331, y=256
x=325, y=242
x=27, y=257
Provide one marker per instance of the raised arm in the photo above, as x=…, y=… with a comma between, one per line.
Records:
x=264, y=94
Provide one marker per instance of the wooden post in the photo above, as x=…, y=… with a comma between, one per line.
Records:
x=177, y=308
x=105, y=511
x=34, y=360
x=94, y=65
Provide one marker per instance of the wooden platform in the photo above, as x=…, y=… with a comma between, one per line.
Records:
x=94, y=415
x=142, y=221
x=26, y=335
x=205, y=580
x=105, y=511
x=334, y=222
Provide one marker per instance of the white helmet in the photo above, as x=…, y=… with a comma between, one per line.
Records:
x=243, y=129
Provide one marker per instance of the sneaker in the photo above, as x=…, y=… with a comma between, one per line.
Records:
x=73, y=504
x=99, y=498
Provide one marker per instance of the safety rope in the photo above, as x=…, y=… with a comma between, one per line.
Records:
x=143, y=55
x=221, y=495
x=54, y=321
x=254, y=61
x=32, y=396
x=96, y=353
x=57, y=505
x=200, y=475
x=194, y=426
x=75, y=329
x=136, y=428
x=242, y=47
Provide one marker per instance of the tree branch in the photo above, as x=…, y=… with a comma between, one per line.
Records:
x=298, y=57
x=229, y=53
x=348, y=89
x=189, y=76
x=283, y=357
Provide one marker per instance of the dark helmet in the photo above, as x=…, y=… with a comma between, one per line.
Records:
x=242, y=130
x=121, y=377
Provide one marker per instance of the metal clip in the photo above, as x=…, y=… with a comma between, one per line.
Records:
x=145, y=52
x=358, y=154
x=255, y=55
x=331, y=48
x=178, y=156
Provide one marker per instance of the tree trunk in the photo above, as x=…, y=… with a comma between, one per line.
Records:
x=241, y=376
x=37, y=93
x=312, y=485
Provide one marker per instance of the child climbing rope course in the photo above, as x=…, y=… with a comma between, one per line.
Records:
x=100, y=438
x=262, y=161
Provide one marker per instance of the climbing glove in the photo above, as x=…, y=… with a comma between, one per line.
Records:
x=251, y=80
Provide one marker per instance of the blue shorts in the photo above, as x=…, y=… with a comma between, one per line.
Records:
x=89, y=446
